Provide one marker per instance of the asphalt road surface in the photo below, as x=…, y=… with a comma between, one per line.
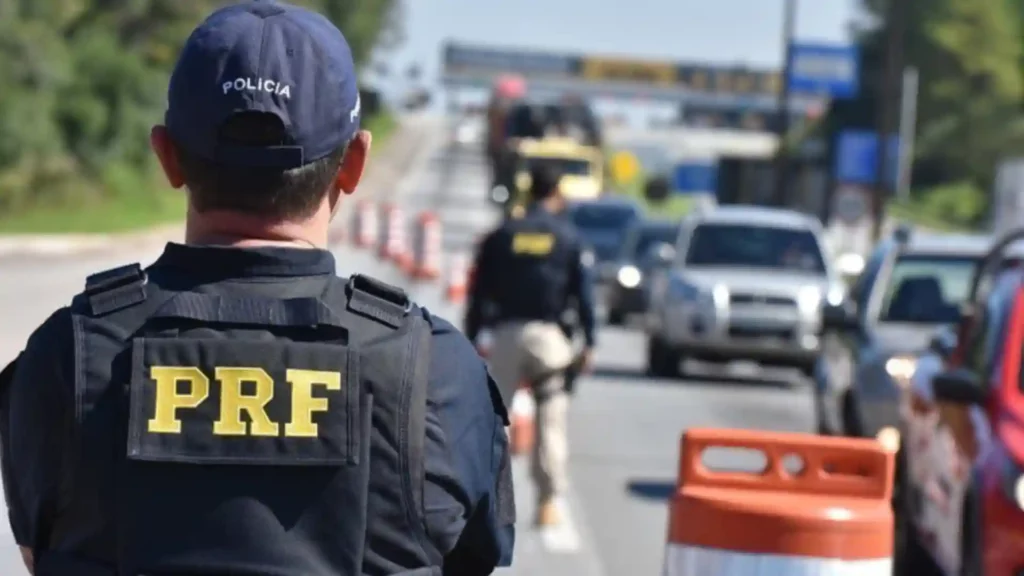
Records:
x=624, y=427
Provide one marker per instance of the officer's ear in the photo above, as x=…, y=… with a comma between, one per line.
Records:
x=354, y=162
x=163, y=147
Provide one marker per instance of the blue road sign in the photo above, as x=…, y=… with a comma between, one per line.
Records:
x=824, y=70
x=695, y=177
x=857, y=157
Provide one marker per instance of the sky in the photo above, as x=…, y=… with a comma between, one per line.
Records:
x=713, y=31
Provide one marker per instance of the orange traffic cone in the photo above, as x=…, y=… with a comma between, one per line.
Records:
x=393, y=244
x=427, y=247
x=521, y=421
x=364, y=225
x=458, y=285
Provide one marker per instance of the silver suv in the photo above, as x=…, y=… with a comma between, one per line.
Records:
x=746, y=282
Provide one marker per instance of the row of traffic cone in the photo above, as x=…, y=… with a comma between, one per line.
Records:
x=385, y=229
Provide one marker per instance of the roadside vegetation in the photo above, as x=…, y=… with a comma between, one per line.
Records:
x=83, y=82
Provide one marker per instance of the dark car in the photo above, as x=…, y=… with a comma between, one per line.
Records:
x=638, y=261
x=604, y=225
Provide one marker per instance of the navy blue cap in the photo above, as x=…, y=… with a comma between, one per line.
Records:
x=265, y=56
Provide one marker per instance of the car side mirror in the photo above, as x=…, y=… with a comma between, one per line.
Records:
x=943, y=342
x=958, y=386
x=662, y=254
x=840, y=317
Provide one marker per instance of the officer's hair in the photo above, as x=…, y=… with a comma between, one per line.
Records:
x=544, y=182
x=264, y=192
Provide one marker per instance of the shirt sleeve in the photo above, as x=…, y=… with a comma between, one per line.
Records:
x=479, y=289
x=468, y=494
x=581, y=284
x=40, y=399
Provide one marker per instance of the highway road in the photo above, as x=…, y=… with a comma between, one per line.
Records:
x=624, y=427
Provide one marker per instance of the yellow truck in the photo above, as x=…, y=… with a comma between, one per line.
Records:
x=582, y=167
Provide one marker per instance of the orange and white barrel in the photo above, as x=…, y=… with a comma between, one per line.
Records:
x=831, y=516
x=364, y=224
x=427, y=247
x=457, y=284
x=394, y=244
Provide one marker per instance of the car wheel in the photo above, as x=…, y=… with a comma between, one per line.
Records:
x=807, y=369
x=616, y=317
x=970, y=536
x=910, y=557
x=852, y=425
x=662, y=361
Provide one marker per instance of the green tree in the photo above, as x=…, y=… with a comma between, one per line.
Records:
x=84, y=80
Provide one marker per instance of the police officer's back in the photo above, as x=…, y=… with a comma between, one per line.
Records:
x=237, y=408
x=529, y=272
x=531, y=268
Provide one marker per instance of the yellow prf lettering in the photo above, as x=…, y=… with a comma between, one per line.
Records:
x=304, y=404
x=233, y=403
x=533, y=244
x=168, y=400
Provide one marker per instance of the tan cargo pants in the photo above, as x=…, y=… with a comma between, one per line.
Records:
x=538, y=352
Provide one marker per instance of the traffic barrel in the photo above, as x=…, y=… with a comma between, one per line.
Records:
x=427, y=247
x=521, y=421
x=457, y=284
x=393, y=242
x=364, y=224
x=832, y=516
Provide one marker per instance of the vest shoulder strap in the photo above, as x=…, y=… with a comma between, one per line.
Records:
x=115, y=289
x=371, y=298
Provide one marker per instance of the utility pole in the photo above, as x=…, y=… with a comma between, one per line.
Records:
x=783, y=113
x=908, y=131
x=887, y=106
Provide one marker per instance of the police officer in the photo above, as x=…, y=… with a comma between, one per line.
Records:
x=237, y=408
x=529, y=270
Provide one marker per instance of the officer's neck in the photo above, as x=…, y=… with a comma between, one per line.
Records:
x=226, y=228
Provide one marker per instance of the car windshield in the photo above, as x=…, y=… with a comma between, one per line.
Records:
x=564, y=166
x=604, y=228
x=754, y=246
x=927, y=289
x=647, y=237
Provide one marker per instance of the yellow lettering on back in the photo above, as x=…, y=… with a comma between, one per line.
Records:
x=233, y=403
x=168, y=400
x=304, y=404
x=532, y=243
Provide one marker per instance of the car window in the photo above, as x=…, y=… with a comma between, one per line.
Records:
x=756, y=246
x=603, y=228
x=927, y=289
x=564, y=166
x=644, y=237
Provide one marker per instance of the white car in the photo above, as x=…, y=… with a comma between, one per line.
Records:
x=746, y=283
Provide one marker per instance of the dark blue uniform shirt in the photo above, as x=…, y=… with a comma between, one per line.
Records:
x=519, y=276
x=464, y=433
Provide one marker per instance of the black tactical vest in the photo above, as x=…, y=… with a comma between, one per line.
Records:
x=246, y=435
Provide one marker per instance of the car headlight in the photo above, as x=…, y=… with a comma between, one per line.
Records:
x=809, y=299
x=629, y=276
x=901, y=369
x=720, y=295
x=1012, y=481
x=889, y=438
x=850, y=264
x=836, y=295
